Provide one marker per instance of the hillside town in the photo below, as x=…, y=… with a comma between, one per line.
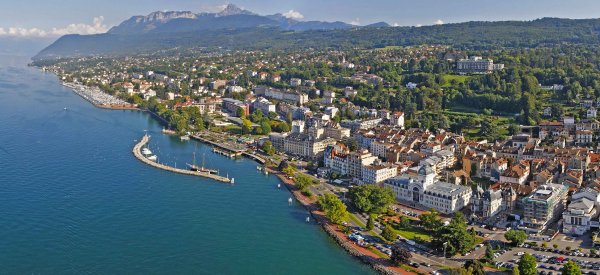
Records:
x=332, y=115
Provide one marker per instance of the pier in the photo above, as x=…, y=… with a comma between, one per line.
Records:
x=138, y=154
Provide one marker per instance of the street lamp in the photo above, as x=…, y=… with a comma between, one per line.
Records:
x=445, y=243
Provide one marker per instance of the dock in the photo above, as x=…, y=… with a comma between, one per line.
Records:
x=138, y=154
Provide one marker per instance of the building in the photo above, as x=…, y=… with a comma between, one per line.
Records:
x=378, y=172
x=592, y=112
x=264, y=105
x=356, y=160
x=411, y=85
x=582, y=213
x=217, y=84
x=583, y=137
x=475, y=64
x=335, y=158
x=328, y=97
x=355, y=125
x=421, y=187
x=278, y=140
x=486, y=204
x=306, y=146
x=232, y=106
x=543, y=206
x=295, y=82
x=293, y=97
x=350, y=92
x=397, y=119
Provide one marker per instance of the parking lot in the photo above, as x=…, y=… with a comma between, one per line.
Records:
x=550, y=262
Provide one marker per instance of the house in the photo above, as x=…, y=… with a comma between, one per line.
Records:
x=411, y=85
x=397, y=119
x=295, y=82
x=378, y=172
x=350, y=92
x=486, y=204
x=592, y=112
x=548, y=112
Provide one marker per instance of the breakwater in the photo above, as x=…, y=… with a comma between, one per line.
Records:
x=138, y=154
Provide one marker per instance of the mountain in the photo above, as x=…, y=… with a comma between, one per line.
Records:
x=180, y=32
x=378, y=25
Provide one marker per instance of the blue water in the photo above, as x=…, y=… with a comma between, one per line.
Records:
x=73, y=199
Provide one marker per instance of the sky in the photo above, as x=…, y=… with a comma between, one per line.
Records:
x=53, y=18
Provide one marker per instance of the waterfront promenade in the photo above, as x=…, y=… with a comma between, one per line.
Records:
x=138, y=154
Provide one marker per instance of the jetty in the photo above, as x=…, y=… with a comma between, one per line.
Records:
x=137, y=152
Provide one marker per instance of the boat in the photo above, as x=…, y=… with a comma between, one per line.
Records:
x=258, y=168
x=153, y=158
x=194, y=167
x=279, y=185
x=186, y=137
x=146, y=152
x=65, y=108
x=232, y=180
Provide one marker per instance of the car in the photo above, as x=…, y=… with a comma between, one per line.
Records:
x=542, y=272
x=415, y=265
x=426, y=264
x=520, y=253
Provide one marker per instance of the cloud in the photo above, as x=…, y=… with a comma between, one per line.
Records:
x=419, y=25
x=396, y=24
x=97, y=26
x=292, y=14
x=439, y=22
x=356, y=21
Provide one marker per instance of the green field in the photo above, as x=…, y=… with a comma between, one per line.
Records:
x=458, y=78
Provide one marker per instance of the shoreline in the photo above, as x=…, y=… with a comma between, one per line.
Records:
x=324, y=223
x=334, y=232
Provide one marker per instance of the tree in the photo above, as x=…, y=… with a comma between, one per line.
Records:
x=334, y=208
x=475, y=267
x=241, y=113
x=527, y=265
x=265, y=126
x=404, y=222
x=388, y=233
x=400, y=255
x=513, y=129
x=555, y=246
x=431, y=220
x=489, y=254
x=570, y=268
x=256, y=116
x=456, y=236
x=516, y=237
x=489, y=129
x=370, y=222
x=515, y=270
x=370, y=198
x=246, y=126
x=268, y=147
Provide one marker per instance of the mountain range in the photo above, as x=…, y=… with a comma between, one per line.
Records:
x=230, y=17
x=236, y=28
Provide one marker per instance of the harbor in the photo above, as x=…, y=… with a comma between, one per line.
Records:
x=144, y=155
x=99, y=98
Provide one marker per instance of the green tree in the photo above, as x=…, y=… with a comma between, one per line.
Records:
x=265, y=126
x=527, y=265
x=455, y=235
x=404, y=222
x=370, y=223
x=334, y=208
x=475, y=267
x=241, y=113
x=268, y=148
x=489, y=254
x=256, y=116
x=388, y=233
x=570, y=268
x=513, y=129
x=370, y=198
x=516, y=237
x=400, y=255
x=489, y=129
x=431, y=220
x=515, y=270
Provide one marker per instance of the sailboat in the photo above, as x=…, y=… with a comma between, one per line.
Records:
x=194, y=167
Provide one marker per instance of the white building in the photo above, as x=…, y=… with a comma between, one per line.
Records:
x=397, y=119
x=264, y=105
x=583, y=137
x=378, y=172
x=486, y=204
x=592, y=112
x=411, y=85
x=295, y=82
x=421, y=187
x=581, y=213
x=543, y=206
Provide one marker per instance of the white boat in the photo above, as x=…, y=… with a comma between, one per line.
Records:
x=232, y=180
x=184, y=137
x=153, y=158
x=146, y=152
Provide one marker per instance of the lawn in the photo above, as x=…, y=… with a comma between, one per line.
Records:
x=413, y=232
x=458, y=78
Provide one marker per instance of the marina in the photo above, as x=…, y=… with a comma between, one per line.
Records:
x=145, y=155
x=97, y=97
